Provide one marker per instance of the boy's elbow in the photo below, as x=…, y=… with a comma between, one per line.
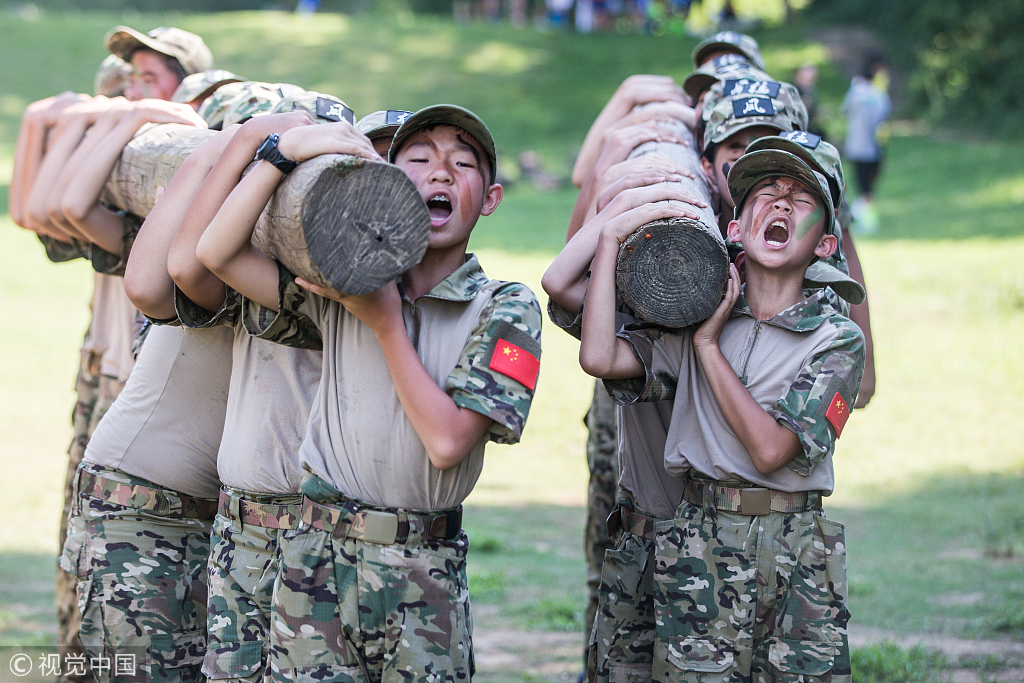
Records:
x=211, y=259
x=447, y=453
x=768, y=459
x=594, y=364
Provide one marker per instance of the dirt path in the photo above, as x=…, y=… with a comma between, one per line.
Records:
x=556, y=656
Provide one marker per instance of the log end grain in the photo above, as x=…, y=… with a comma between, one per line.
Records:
x=364, y=224
x=672, y=272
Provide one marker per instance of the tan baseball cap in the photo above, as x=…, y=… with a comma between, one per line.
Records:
x=323, y=108
x=188, y=48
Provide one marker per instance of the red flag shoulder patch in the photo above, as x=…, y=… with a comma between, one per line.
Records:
x=838, y=413
x=515, y=362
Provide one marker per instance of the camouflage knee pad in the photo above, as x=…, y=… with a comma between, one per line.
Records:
x=622, y=640
x=756, y=599
x=242, y=569
x=350, y=610
x=141, y=584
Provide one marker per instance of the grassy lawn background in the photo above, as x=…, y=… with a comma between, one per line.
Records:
x=930, y=476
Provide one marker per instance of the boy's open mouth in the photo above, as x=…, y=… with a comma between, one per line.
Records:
x=776, y=234
x=440, y=208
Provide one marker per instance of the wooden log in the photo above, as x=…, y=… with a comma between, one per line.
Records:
x=672, y=272
x=337, y=221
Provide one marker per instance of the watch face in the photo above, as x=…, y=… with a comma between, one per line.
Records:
x=268, y=146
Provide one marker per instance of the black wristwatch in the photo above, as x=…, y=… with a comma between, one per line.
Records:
x=268, y=151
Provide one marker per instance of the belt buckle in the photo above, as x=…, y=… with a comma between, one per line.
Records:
x=380, y=527
x=755, y=501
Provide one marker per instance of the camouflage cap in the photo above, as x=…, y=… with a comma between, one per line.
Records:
x=770, y=162
x=238, y=102
x=730, y=41
x=324, y=108
x=821, y=156
x=749, y=84
x=201, y=85
x=726, y=66
x=733, y=114
x=113, y=77
x=448, y=115
x=188, y=48
x=382, y=124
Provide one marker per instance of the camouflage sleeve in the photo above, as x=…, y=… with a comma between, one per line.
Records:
x=195, y=316
x=62, y=252
x=512, y=316
x=566, y=320
x=296, y=321
x=659, y=351
x=835, y=368
x=114, y=264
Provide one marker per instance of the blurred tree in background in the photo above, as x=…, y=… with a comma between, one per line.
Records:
x=964, y=58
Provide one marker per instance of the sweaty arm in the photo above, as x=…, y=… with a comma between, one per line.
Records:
x=861, y=315
x=769, y=444
x=565, y=280
x=602, y=353
x=193, y=278
x=226, y=245
x=83, y=181
x=28, y=153
x=635, y=90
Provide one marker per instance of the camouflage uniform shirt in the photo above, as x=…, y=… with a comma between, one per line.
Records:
x=359, y=438
x=797, y=365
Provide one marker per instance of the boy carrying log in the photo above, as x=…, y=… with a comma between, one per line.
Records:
x=417, y=377
x=749, y=579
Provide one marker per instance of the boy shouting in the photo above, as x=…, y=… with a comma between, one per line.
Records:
x=417, y=377
x=750, y=578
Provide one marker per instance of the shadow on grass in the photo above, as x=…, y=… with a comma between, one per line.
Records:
x=27, y=612
x=946, y=557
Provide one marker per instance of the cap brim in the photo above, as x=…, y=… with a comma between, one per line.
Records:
x=123, y=41
x=703, y=49
x=447, y=115
x=752, y=167
x=795, y=148
x=821, y=274
x=697, y=82
x=382, y=131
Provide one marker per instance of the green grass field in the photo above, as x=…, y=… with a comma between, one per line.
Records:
x=930, y=477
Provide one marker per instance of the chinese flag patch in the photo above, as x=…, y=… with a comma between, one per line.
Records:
x=838, y=413
x=515, y=362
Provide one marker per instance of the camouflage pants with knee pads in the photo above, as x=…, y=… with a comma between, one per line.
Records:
x=351, y=610
x=139, y=552
x=242, y=570
x=750, y=598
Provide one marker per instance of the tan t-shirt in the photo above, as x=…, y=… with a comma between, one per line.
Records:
x=360, y=439
x=271, y=390
x=794, y=366
x=166, y=424
x=642, y=428
x=114, y=327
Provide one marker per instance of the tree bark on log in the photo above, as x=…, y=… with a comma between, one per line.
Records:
x=337, y=221
x=672, y=272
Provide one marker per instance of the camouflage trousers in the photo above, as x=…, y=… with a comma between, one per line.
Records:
x=96, y=392
x=350, y=610
x=750, y=599
x=242, y=570
x=603, y=463
x=621, y=647
x=139, y=552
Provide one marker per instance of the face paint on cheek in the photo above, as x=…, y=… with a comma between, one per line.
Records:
x=809, y=221
x=726, y=167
